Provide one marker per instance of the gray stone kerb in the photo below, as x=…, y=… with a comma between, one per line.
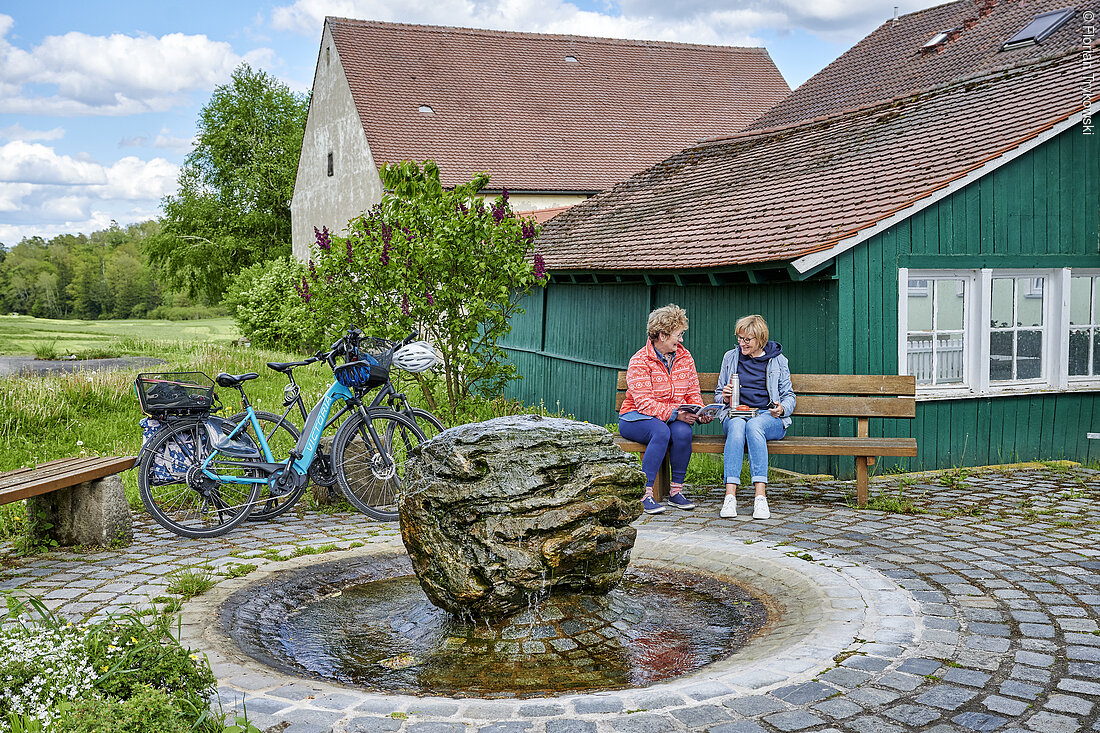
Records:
x=828, y=610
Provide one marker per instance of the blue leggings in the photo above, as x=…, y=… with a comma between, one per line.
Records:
x=660, y=438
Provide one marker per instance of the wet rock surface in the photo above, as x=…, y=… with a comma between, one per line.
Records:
x=499, y=512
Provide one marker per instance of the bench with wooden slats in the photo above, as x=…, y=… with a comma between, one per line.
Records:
x=859, y=396
x=60, y=474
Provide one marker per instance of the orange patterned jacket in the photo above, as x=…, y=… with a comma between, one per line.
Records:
x=651, y=390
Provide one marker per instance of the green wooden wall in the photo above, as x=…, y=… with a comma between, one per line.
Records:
x=1040, y=210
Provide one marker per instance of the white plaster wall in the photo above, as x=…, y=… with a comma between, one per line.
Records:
x=530, y=202
x=332, y=125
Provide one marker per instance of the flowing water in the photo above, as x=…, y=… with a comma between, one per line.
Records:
x=384, y=635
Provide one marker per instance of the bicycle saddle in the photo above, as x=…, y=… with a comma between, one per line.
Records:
x=286, y=366
x=234, y=380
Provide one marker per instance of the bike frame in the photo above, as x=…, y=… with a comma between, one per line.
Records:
x=307, y=445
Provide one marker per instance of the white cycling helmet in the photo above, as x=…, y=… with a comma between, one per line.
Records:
x=419, y=356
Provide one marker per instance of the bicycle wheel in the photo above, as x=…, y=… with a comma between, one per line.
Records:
x=428, y=423
x=182, y=499
x=369, y=458
x=281, y=437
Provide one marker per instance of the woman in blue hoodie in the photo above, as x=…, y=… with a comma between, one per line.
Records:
x=767, y=403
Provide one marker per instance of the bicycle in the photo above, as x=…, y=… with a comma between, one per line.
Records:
x=278, y=427
x=201, y=476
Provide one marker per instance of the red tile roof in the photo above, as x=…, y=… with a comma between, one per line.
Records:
x=512, y=104
x=889, y=62
x=781, y=194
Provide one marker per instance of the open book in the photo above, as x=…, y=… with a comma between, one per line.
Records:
x=712, y=409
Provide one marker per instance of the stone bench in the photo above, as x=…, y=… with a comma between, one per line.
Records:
x=859, y=396
x=81, y=497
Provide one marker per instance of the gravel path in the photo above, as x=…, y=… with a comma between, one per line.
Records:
x=28, y=365
x=978, y=615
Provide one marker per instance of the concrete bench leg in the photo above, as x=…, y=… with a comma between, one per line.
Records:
x=91, y=513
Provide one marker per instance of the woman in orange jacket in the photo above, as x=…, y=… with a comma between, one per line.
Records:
x=660, y=379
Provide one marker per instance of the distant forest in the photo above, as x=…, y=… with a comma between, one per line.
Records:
x=101, y=275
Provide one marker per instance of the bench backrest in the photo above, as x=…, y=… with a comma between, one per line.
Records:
x=832, y=395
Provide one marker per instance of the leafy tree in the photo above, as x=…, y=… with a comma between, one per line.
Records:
x=262, y=301
x=436, y=260
x=232, y=208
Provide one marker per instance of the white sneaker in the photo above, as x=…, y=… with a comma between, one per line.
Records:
x=760, y=508
x=729, y=507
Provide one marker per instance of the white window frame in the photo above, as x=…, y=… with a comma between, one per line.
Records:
x=1063, y=354
x=979, y=293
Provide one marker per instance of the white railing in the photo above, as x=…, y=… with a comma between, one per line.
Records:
x=947, y=367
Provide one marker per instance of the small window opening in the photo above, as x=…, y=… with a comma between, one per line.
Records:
x=426, y=109
x=937, y=39
x=330, y=164
x=571, y=59
x=1038, y=29
x=328, y=55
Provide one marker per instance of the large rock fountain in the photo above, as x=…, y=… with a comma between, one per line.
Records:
x=499, y=513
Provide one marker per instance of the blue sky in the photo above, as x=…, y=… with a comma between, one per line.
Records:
x=98, y=100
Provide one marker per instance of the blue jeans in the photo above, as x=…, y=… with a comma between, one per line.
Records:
x=754, y=435
x=660, y=438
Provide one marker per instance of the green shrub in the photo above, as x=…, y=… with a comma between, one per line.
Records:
x=148, y=710
x=268, y=311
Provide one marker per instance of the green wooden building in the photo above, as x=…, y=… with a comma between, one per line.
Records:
x=950, y=233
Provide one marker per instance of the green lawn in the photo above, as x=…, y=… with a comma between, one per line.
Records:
x=27, y=336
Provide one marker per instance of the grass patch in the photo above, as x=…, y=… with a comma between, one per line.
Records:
x=24, y=335
x=238, y=569
x=190, y=581
x=897, y=503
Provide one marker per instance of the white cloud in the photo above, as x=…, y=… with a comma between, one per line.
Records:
x=111, y=75
x=22, y=162
x=18, y=132
x=733, y=22
x=175, y=144
x=43, y=193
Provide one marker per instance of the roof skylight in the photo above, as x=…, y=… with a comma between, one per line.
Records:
x=571, y=59
x=425, y=109
x=937, y=39
x=1039, y=28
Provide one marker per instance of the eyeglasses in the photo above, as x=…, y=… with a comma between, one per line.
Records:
x=745, y=339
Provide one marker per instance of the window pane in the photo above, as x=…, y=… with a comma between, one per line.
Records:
x=1096, y=351
x=1078, y=353
x=920, y=307
x=949, y=305
x=1029, y=354
x=919, y=356
x=1029, y=306
x=1000, y=356
x=1000, y=313
x=949, y=358
x=1080, y=293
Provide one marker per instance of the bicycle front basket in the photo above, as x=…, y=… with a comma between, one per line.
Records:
x=175, y=393
x=378, y=349
x=361, y=374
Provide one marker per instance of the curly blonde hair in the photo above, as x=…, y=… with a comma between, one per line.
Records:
x=666, y=319
x=754, y=326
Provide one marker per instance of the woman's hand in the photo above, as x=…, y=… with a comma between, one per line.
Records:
x=705, y=418
x=688, y=417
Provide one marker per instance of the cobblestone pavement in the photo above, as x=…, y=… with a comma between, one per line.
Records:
x=981, y=614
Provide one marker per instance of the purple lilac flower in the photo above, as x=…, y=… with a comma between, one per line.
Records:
x=528, y=229
x=323, y=237
x=312, y=270
x=540, y=267
x=504, y=194
x=498, y=213
x=430, y=297
x=303, y=290
x=405, y=304
x=351, y=252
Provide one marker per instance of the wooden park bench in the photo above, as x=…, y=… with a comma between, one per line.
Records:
x=81, y=497
x=859, y=396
